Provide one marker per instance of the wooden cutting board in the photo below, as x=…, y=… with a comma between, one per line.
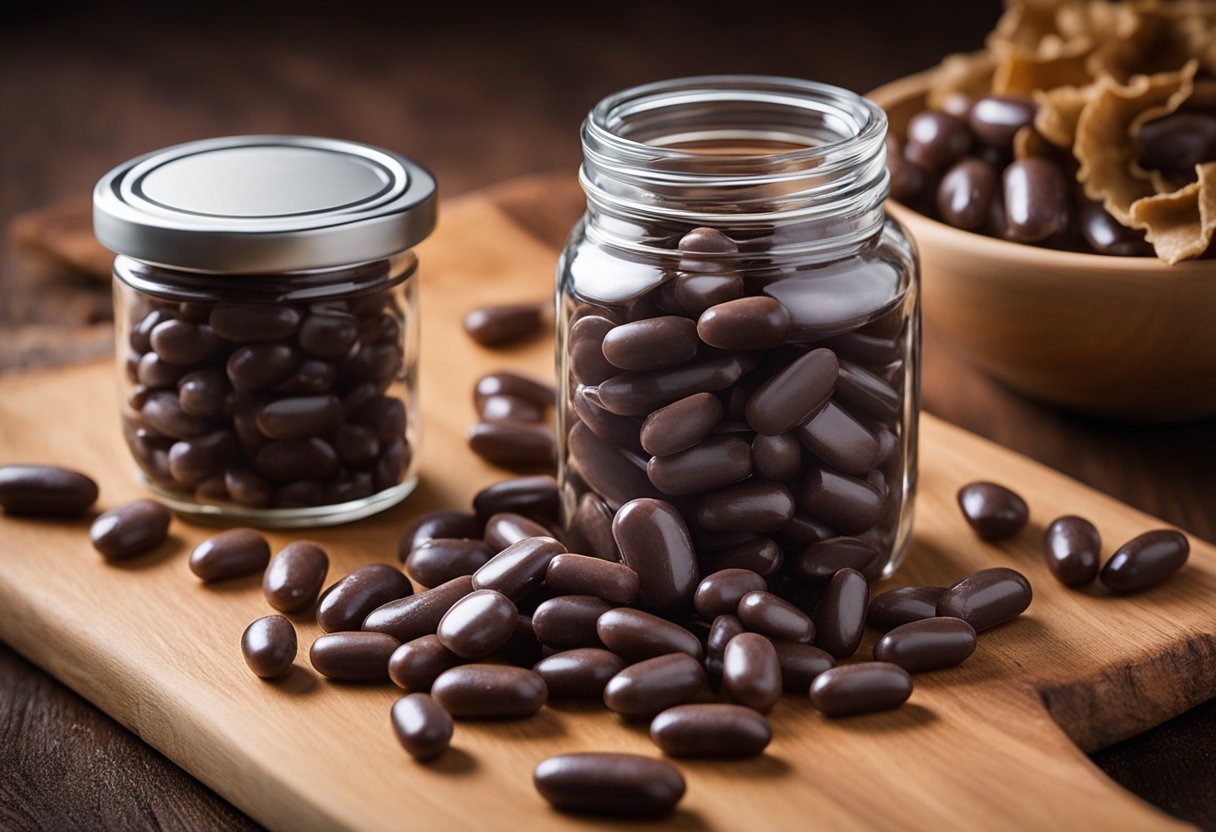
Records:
x=996, y=744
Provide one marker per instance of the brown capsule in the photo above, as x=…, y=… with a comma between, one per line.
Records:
x=651, y=344
x=590, y=529
x=130, y=529
x=569, y=620
x=422, y=726
x=490, y=691
x=579, y=673
x=777, y=458
x=507, y=528
x=723, y=629
x=478, y=624
x=353, y=656
x=45, y=490
x=298, y=417
x=711, y=730
x=648, y=687
x=1106, y=235
x=585, y=350
x=841, y=615
x=719, y=593
x=418, y=615
x=269, y=646
x=533, y=497
x=620, y=430
x=609, y=784
x=716, y=462
x=345, y=604
x=794, y=394
x=696, y=292
x=1036, y=200
x=655, y=543
x=635, y=635
x=800, y=664
x=519, y=568
x=995, y=119
x=1074, y=550
x=496, y=326
x=867, y=392
x=230, y=554
x=966, y=192
x=442, y=522
x=246, y=488
x=640, y=393
x=1178, y=142
x=752, y=323
x=513, y=384
x=193, y=460
x=416, y=664
x=987, y=598
x=805, y=530
x=753, y=506
x=514, y=444
x=582, y=575
x=846, y=504
x=184, y=344
x=153, y=371
x=838, y=439
x=765, y=613
x=1145, y=561
x=992, y=510
x=680, y=425
x=612, y=474
x=328, y=334
x=439, y=560
x=761, y=555
x=928, y=644
x=163, y=413
x=861, y=688
x=903, y=605
x=936, y=140
x=509, y=409
x=254, y=321
x=821, y=560
x=751, y=673
x=261, y=366
x=292, y=460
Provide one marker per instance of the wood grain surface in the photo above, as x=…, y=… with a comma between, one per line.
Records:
x=976, y=745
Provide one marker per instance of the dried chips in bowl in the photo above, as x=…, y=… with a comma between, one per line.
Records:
x=1126, y=97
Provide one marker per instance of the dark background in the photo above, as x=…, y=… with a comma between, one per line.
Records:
x=479, y=93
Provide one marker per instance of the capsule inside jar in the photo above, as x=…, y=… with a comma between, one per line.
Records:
x=267, y=304
x=757, y=333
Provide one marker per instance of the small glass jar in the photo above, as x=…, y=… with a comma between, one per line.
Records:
x=739, y=329
x=266, y=319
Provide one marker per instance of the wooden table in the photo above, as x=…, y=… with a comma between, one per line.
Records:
x=479, y=100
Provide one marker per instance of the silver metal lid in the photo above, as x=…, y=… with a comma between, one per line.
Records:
x=257, y=204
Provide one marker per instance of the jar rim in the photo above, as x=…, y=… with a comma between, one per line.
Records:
x=867, y=122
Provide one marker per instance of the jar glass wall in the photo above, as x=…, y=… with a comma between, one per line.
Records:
x=266, y=310
x=274, y=400
x=738, y=329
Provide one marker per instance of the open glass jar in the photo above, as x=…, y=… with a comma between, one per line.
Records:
x=739, y=329
x=266, y=315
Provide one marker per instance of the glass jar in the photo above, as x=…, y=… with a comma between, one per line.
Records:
x=266, y=318
x=739, y=330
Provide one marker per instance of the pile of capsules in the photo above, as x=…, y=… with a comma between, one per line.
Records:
x=512, y=619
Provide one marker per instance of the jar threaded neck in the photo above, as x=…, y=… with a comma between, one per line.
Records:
x=753, y=150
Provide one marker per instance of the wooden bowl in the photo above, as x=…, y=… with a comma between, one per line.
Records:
x=1120, y=337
